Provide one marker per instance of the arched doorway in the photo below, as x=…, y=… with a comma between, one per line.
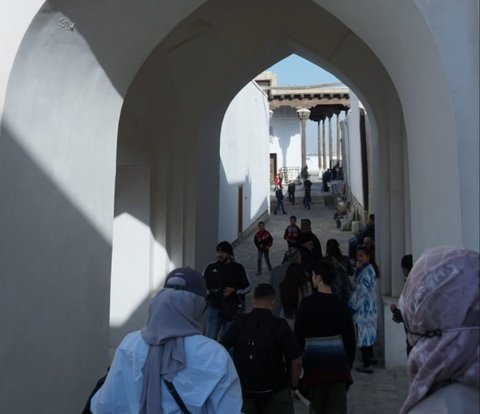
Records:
x=78, y=65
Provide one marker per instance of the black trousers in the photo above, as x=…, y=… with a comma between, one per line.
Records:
x=291, y=198
x=367, y=355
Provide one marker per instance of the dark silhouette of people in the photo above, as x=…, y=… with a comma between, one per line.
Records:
x=369, y=230
x=291, y=192
x=279, y=196
x=307, y=199
x=304, y=172
x=326, y=178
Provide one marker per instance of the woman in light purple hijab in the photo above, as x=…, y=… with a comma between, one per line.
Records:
x=441, y=308
x=171, y=352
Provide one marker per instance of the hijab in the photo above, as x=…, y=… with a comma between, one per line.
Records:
x=173, y=315
x=441, y=309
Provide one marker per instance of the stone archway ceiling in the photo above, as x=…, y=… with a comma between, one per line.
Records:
x=323, y=101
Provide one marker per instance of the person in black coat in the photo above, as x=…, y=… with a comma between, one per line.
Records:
x=279, y=196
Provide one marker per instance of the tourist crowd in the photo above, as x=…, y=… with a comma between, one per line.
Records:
x=299, y=339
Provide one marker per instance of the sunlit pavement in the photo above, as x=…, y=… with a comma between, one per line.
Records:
x=382, y=392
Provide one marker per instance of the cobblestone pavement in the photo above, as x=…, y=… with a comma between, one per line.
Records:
x=380, y=393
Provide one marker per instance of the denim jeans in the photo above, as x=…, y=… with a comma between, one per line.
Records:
x=265, y=253
x=279, y=206
x=215, y=323
x=306, y=201
x=291, y=198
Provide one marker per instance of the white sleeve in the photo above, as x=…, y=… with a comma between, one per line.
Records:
x=227, y=395
x=122, y=388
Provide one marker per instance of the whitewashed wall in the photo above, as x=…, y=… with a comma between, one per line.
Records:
x=131, y=281
x=354, y=154
x=60, y=124
x=244, y=144
x=286, y=141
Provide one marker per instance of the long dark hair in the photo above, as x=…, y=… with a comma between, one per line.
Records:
x=289, y=288
x=333, y=248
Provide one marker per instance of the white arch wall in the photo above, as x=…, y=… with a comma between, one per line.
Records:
x=216, y=32
x=244, y=143
x=286, y=140
x=427, y=34
x=354, y=150
x=58, y=150
x=57, y=168
x=57, y=204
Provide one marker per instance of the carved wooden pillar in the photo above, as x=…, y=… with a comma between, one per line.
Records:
x=319, y=146
x=339, y=152
x=324, y=147
x=304, y=115
x=330, y=142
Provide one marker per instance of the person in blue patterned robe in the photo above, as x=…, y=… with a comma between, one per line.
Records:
x=363, y=304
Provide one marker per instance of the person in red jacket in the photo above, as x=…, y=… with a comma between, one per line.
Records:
x=263, y=240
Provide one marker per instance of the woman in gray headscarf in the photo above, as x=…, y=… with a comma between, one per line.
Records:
x=441, y=309
x=171, y=349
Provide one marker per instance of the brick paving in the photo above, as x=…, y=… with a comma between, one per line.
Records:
x=385, y=390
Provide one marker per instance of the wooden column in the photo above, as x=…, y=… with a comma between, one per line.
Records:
x=324, y=147
x=339, y=152
x=330, y=142
x=304, y=115
x=319, y=146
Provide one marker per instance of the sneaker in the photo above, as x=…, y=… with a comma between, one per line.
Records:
x=365, y=370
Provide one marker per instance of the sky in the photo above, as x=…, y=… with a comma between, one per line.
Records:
x=297, y=71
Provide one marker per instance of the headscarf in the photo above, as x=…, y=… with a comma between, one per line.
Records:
x=173, y=314
x=441, y=309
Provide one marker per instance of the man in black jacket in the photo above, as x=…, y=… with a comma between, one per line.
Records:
x=307, y=235
x=266, y=356
x=227, y=285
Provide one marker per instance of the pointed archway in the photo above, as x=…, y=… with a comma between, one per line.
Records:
x=87, y=73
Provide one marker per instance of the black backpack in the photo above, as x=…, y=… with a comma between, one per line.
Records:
x=341, y=286
x=259, y=363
